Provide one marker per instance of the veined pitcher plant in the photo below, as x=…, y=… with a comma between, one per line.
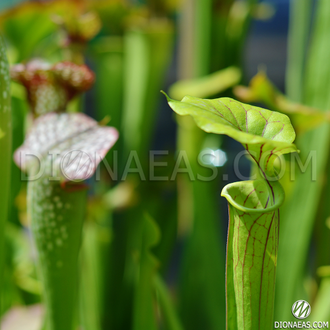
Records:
x=254, y=215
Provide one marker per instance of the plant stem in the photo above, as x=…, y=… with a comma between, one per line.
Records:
x=5, y=147
x=108, y=57
x=203, y=21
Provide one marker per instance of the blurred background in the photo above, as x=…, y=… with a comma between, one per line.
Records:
x=202, y=48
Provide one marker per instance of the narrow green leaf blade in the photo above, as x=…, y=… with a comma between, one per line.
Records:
x=170, y=317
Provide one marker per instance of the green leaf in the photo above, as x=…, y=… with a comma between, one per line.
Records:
x=108, y=58
x=265, y=134
x=107, y=55
x=92, y=286
x=252, y=253
x=25, y=26
x=5, y=147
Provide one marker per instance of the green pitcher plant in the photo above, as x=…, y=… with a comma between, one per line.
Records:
x=59, y=152
x=254, y=216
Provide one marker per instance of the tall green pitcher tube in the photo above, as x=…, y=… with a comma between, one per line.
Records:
x=252, y=252
x=57, y=218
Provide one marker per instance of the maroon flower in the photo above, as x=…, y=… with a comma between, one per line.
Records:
x=50, y=88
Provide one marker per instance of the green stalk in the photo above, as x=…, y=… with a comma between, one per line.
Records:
x=6, y=152
x=57, y=218
x=300, y=211
x=203, y=25
x=94, y=263
x=108, y=57
x=300, y=20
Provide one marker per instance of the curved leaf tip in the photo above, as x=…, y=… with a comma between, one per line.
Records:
x=167, y=97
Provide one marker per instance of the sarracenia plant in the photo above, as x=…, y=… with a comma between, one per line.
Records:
x=60, y=151
x=253, y=205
